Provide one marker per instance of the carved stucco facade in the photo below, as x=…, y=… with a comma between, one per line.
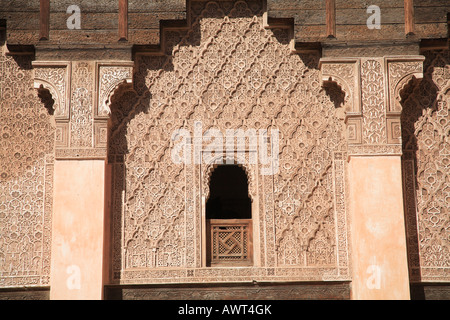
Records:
x=426, y=133
x=229, y=70
x=27, y=157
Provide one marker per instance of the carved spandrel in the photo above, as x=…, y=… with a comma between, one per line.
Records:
x=110, y=78
x=55, y=78
x=68, y=90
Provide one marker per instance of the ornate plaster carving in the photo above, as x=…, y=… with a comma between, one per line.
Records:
x=80, y=94
x=55, y=77
x=426, y=167
x=229, y=72
x=372, y=101
x=26, y=176
x=400, y=72
x=345, y=72
x=111, y=76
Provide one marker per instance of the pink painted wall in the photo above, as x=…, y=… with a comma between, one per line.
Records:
x=78, y=230
x=378, y=240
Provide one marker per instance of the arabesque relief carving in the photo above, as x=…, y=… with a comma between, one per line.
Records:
x=228, y=71
x=79, y=94
x=426, y=169
x=26, y=175
x=372, y=110
x=54, y=77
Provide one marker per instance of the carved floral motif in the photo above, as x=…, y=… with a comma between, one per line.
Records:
x=54, y=78
x=373, y=102
x=111, y=77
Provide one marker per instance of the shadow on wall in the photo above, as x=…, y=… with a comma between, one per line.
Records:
x=418, y=99
x=2, y=32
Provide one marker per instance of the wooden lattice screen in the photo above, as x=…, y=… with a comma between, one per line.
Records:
x=230, y=241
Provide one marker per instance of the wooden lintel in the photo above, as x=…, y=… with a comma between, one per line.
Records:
x=331, y=18
x=44, y=20
x=409, y=17
x=123, y=20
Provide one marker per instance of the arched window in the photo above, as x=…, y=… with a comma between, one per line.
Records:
x=229, y=218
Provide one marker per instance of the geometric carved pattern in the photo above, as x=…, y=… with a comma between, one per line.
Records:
x=230, y=241
x=26, y=176
x=426, y=169
x=228, y=71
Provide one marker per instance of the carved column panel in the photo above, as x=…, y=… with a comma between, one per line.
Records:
x=79, y=94
x=372, y=88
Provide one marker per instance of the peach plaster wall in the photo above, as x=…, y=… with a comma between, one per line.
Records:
x=77, y=268
x=378, y=240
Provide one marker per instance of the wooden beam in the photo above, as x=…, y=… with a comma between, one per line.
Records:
x=44, y=20
x=331, y=18
x=123, y=20
x=409, y=17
